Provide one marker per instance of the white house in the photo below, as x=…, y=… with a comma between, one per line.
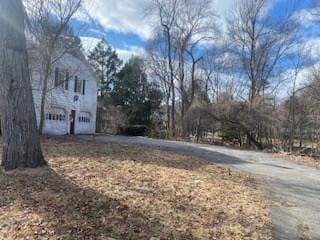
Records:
x=71, y=101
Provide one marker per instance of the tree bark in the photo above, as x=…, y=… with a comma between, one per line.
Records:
x=173, y=100
x=21, y=141
x=44, y=94
x=198, y=132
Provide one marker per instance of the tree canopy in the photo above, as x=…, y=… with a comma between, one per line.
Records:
x=138, y=98
x=106, y=64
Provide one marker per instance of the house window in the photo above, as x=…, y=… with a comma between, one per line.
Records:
x=59, y=78
x=84, y=87
x=79, y=90
x=66, y=84
x=55, y=117
x=56, y=77
x=77, y=85
x=84, y=119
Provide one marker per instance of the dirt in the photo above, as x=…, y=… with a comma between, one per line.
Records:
x=292, y=189
x=111, y=191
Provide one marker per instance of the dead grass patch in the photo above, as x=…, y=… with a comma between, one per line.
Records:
x=302, y=160
x=101, y=191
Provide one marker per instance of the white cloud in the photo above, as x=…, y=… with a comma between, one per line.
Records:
x=129, y=16
x=125, y=16
x=313, y=44
x=89, y=43
x=124, y=54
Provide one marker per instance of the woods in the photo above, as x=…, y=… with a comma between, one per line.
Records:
x=240, y=84
x=228, y=84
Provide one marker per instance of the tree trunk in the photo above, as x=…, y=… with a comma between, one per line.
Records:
x=198, y=132
x=193, y=82
x=42, y=104
x=292, y=123
x=168, y=115
x=173, y=101
x=251, y=139
x=47, y=72
x=182, y=90
x=21, y=142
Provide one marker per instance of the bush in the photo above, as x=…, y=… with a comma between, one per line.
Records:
x=134, y=130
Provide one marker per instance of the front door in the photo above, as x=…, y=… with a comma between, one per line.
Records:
x=72, y=122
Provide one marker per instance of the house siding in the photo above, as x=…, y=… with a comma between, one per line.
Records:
x=60, y=102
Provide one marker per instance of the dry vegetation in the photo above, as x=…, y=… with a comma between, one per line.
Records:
x=302, y=160
x=104, y=191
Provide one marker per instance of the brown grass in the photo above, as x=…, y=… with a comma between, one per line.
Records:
x=104, y=191
x=302, y=160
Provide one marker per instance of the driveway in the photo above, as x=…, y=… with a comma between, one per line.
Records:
x=293, y=190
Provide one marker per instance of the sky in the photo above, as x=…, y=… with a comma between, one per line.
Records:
x=125, y=25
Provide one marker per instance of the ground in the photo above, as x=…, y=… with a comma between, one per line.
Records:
x=97, y=190
x=303, y=160
x=292, y=189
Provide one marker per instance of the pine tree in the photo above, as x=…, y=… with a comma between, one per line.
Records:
x=106, y=63
x=138, y=98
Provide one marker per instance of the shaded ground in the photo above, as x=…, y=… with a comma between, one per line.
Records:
x=101, y=191
x=294, y=190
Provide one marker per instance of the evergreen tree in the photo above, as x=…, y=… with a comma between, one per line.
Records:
x=138, y=98
x=106, y=63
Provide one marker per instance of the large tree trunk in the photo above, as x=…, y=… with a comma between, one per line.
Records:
x=21, y=142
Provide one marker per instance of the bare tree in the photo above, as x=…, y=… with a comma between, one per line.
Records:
x=195, y=24
x=183, y=26
x=298, y=63
x=166, y=13
x=48, y=24
x=159, y=70
x=21, y=141
x=261, y=44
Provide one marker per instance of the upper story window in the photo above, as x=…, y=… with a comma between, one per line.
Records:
x=66, y=84
x=79, y=85
x=84, y=87
x=59, y=77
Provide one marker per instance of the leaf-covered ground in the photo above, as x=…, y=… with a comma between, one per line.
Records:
x=302, y=160
x=104, y=191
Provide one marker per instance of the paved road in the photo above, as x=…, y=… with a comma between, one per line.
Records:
x=294, y=190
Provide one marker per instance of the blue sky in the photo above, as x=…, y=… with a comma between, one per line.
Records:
x=124, y=25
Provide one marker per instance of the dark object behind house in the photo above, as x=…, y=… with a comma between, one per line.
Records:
x=134, y=130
